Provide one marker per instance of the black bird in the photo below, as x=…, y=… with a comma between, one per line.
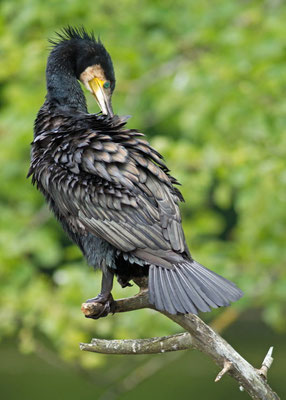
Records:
x=110, y=190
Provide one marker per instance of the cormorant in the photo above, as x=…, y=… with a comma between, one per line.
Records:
x=110, y=190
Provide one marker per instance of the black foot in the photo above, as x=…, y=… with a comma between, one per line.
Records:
x=123, y=282
x=107, y=303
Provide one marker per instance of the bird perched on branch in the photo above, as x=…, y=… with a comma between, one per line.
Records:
x=110, y=190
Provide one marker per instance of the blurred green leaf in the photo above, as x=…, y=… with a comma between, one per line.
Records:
x=206, y=83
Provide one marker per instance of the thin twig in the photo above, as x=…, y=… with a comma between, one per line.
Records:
x=266, y=364
x=226, y=367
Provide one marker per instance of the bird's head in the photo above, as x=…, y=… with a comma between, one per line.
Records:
x=89, y=61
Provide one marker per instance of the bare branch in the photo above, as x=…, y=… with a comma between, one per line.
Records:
x=136, y=302
x=181, y=341
x=203, y=338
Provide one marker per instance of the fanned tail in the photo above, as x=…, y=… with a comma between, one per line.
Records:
x=189, y=288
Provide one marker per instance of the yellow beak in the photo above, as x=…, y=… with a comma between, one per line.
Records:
x=101, y=97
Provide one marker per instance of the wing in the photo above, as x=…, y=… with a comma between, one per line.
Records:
x=114, y=185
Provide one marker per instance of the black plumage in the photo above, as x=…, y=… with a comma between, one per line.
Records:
x=110, y=190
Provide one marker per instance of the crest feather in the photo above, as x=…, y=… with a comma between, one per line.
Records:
x=76, y=33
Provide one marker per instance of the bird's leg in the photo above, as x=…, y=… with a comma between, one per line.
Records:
x=105, y=297
x=123, y=282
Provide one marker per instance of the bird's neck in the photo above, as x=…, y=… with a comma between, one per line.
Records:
x=63, y=87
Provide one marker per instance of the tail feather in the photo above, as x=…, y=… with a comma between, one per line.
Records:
x=183, y=298
x=166, y=294
x=189, y=288
x=211, y=289
x=194, y=292
x=226, y=289
x=171, y=284
x=157, y=292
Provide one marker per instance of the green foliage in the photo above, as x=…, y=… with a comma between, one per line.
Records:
x=205, y=81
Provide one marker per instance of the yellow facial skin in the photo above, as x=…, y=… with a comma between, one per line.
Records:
x=102, y=95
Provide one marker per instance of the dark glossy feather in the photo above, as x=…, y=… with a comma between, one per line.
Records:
x=97, y=160
x=111, y=191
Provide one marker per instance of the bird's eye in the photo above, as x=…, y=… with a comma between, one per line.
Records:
x=106, y=84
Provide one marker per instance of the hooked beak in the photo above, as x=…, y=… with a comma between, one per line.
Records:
x=101, y=97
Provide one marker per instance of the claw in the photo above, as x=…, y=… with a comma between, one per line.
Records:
x=106, y=306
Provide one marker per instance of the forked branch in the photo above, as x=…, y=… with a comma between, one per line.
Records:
x=200, y=336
